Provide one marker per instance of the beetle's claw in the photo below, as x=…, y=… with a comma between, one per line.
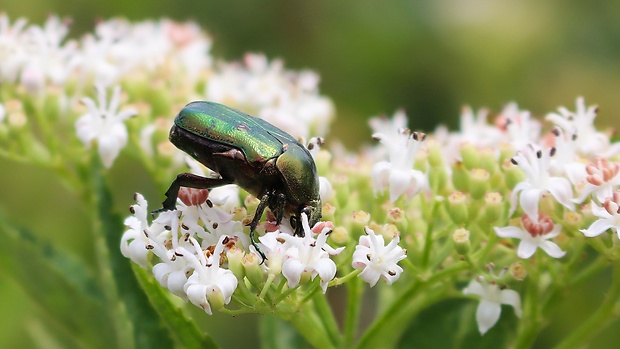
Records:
x=253, y=241
x=160, y=210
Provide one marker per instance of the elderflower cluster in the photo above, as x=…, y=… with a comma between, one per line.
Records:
x=510, y=205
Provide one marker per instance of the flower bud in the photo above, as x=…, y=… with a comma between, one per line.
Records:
x=360, y=219
x=397, y=217
x=470, y=155
x=328, y=212
x=518, y=271
x=488, y=160
x=457, y=207
x=435, y=157
x=460, y=177
x=235, y=257
x=339, y=235
x=478, y=183
x=253, y=271
x=494, y=206
x=460, y=237
x=513, y=174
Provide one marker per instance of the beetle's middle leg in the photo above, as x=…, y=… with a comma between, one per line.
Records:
x=264, y=201
x=189, y=180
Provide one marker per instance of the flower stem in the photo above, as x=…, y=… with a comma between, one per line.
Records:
x=428, y=244
x=351, y=320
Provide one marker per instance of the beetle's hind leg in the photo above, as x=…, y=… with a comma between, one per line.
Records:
x=189, y=180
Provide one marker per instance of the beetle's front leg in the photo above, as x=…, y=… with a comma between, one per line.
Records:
x=189, y=180
x=279, y=207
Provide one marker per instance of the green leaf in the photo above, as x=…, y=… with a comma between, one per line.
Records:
x=452, y=324
x=133, y=306
x=182, y=328
x=276, y=333
x=59, y=283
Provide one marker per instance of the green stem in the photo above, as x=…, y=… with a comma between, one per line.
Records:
x=310, y=326
x=399, y=305
x=607, y=312
x=351, y=320
x=428, y=244
x=116, y=313
x=329, y=321
x=530, y=320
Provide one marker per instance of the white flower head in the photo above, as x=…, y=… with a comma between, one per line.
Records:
x=566, y=162
x=307, y=256
x=535, y=164
x=105, y=124
x=491, y=299
x=534, y=235
x=287, y=99
x=520, y=127
x=608, y=214
x=398, y=173
x=591, y=143
x=209, y=284
x=377, y=260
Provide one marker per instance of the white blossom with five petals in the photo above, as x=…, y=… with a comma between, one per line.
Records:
x=377, y=260
x=491, y=299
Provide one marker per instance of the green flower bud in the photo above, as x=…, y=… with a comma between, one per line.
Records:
x=460, y=237
x=397, y=217
x=235, y=257
x=494, y=206
x=253, y=271
x=460, y=177
x=478, y=183
x=488, y=160
x=340, y=235
x=518, y=271
x=435, y=157
x=457, y=207
x=513, y=174
x=470, y=155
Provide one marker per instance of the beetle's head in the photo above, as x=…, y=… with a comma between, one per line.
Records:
x=313, y=211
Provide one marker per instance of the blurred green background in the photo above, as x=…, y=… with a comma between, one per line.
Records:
x=428, y=57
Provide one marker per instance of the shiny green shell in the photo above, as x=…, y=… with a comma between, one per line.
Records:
x=258, y=139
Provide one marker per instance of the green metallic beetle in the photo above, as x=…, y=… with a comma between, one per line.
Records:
x=252, y=153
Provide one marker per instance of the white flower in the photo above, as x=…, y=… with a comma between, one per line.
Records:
x=287, y=99
x=209, y=283
x=398, y=173
x=476, y=130
x=535, y=164
x=172, y=272
x=2, y=112
x=377, y=260
x=566, y=162
x=135, y=239
x=104, y=124
x=309, y=257
x=492, y=297
x=12, y=51
x=534, y=235
x=590, y=142
x=609, y=217
x=521, y=128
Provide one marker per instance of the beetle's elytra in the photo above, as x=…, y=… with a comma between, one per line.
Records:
x=252, y=153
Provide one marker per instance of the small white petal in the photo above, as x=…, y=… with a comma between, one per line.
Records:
x=487, y=315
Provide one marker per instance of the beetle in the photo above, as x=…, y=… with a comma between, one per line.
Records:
x=252, y=153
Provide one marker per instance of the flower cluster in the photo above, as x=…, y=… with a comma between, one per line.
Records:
x=416, y=216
